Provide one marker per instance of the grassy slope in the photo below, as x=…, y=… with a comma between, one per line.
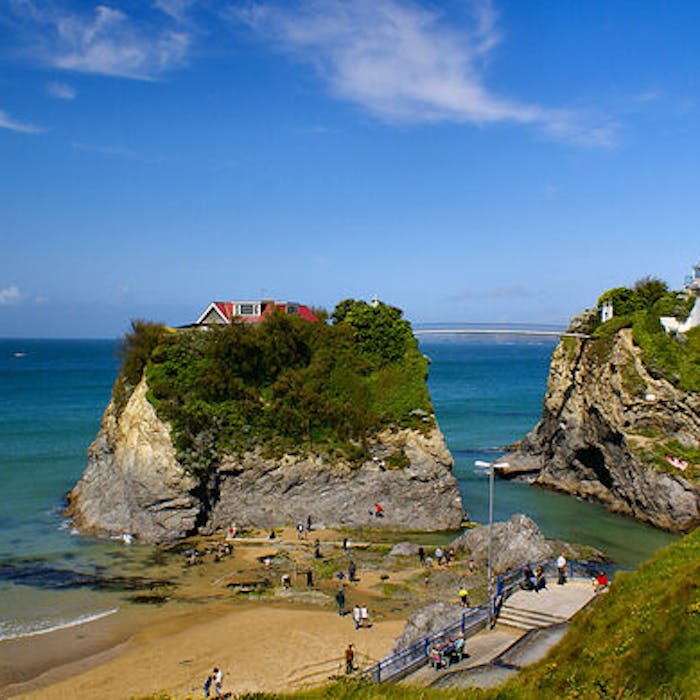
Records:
x=640, y=640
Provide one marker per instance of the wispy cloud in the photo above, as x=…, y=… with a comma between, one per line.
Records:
x=61, y=91
x=10, y=295
x=8, y=122
x=106, y=41
x=403, y=63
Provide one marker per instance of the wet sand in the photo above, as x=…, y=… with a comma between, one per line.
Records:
x=280, y=641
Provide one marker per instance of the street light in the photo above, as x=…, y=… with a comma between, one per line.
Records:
x=489, y=572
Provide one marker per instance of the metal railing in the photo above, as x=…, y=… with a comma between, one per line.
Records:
x=410, y=658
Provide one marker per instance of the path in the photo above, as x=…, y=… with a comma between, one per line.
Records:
x=523, y=612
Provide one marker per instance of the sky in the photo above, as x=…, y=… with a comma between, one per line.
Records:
x=467, y=161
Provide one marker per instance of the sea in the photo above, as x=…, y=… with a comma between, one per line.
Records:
x=487, y=394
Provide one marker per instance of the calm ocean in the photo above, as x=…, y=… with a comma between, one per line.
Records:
x=53, y=392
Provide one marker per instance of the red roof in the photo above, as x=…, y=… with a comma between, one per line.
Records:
x=226, y=310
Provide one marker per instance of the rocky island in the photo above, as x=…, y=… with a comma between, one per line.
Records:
x=621, y=415
x=264, y=425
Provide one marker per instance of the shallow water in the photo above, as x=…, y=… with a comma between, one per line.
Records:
x=486, y=395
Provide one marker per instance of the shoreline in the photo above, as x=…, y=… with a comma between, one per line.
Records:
x=206, y=623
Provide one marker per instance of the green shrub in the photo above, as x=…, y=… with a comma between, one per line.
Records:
x=286, y=385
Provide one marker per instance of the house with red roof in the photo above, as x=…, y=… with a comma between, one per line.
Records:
x=225, y=312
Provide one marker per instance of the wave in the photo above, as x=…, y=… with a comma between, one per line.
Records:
x=25, y=629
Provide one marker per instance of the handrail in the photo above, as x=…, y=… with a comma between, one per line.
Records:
x=402, y=662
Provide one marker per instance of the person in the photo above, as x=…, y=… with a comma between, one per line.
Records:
x=561, y=568
x=317, y=549
x=218, y=680
x=346, y=544
x=529, y=580
x=421, y=556
x=349, y=659
x=231, y=532
x=540, y=580
x=272, y=535
x=340, y=600
x=207, y=686
x=356, y=616
x=300, y=531
x=364, y=616
x=600, y=582
x=286, y=581
x=309, y=579
x=352, y=570
x=308, y=523
x=439, y=554
x=464, y=597
x=378, y=511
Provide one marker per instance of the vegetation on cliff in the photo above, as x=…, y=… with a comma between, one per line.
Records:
x=285, y=385
x=676, y=358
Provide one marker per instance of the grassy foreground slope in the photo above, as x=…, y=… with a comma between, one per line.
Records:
x=639, y=640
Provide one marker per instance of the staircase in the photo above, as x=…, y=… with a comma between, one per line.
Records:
x=526, y=619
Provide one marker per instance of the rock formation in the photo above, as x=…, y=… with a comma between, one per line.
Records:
x=607, y=422
x=134, y=484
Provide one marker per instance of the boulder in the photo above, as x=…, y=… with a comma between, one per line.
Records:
x=515, y=542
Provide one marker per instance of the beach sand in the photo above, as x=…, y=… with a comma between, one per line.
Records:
x=278, y=642
x=258, y=647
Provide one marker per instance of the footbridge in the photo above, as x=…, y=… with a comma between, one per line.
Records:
x=498, y=331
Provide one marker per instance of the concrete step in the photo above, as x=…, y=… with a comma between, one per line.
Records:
x=523, y=618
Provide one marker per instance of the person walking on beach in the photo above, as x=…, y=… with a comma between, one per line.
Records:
x=317, y=549
x=364, y=616
x=356, y=616
x=352, y=570
x=464, y=597
x=300, y=531
x=421, y=556
x=340, y=600
x=349, y=659
x=207, y=686
x=218, y=678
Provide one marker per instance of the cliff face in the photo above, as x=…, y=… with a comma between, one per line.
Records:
x=605, y=426
x=134, y=484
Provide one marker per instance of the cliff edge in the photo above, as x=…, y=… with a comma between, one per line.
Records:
x=134, y=484
x=607, y=430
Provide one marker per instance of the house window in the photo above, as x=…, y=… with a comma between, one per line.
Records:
x=292, y=309
x=247, y=309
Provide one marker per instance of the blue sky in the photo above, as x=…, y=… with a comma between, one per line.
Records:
x=466, y=161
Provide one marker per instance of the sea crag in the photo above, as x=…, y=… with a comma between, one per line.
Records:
x=606, y=427
x=134, y=484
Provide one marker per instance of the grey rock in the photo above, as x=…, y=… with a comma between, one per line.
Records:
x=515, y=542
x=426, y=620
x=602, y=413
x=134, y=484
x=404, y=549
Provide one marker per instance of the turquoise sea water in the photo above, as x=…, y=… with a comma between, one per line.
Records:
x=486, y=395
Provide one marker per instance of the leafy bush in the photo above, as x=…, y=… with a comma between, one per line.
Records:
x=284, y=385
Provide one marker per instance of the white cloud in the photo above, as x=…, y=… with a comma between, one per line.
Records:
x=7, y=122
x=61, y=91
x=106, y=42
x=9, y=296
x=403, y=63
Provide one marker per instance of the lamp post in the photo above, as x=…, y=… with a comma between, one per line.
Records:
x=489, y=570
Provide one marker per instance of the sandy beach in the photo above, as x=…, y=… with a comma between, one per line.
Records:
x=280, y=640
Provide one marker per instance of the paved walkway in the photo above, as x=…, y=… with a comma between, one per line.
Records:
x=523, y=611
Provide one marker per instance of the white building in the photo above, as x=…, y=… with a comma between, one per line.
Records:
x=692, y=286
